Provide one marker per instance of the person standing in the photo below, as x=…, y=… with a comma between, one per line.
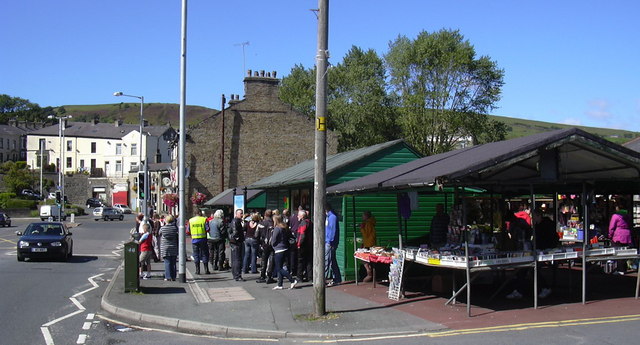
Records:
x=146, y=249
x=251, y=244
x=198, y=227
x=368, y=231
x=620, y=232
x=168, y=234
x=264, y=237
x=331, y=241
x=439, y=227
x=156, y=237
x=304, y=245
x=236, y=241
x=280, y=242
x=216, y=238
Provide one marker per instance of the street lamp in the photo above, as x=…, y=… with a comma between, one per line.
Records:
x=146, y=182
x=61, y=127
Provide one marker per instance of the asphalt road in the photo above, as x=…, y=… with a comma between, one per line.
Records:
x=47, y=302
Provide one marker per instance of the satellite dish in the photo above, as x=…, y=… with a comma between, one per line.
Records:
x=166, y=182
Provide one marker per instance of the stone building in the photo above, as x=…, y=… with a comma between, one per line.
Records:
x=262, y=135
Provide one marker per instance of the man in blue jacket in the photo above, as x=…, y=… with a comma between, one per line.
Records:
x=332, y=237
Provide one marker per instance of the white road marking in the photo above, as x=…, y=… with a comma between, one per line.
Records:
x=62, y=318
x=95, y=285
x=82, y=338
x=47, y=336
x=90, y=316
x=77, y=303
x=86, y=325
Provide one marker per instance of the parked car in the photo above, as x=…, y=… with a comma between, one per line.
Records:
x=94, y=202
x=122, y=208
x=45, y=240
x=31, y=194
x=107, y=213
x=5, y=220
x=52, y=211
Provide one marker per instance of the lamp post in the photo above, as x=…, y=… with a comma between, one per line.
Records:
x=61, y=127
x=143, y=206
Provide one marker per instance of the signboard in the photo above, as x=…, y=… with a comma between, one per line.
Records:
x=238, y=202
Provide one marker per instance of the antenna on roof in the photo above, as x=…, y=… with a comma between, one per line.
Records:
x=243, y=44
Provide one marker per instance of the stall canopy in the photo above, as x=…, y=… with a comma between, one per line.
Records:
x=226, y=198
x=547, y=160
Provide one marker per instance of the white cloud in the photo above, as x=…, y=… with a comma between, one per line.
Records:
x=599, y=110
x=572, y=121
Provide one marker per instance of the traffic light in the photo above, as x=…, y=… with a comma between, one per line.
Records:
x=58, y=197
x=141, y=185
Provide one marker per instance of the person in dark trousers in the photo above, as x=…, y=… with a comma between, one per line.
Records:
x=331, y=241
x=264, y=237
x=280, y=242
x=216, y=239
x=292, y=253
x=620, y=227
x=439, y=227
x=168, y=234
x=304, y=244
x=251, y=244
x=236, y=241
x=198, y=228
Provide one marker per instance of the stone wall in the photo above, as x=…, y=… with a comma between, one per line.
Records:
x=262, y=135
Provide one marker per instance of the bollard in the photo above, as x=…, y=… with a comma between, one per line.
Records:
x=73, y=218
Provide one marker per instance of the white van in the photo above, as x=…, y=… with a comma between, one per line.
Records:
x=52, y=211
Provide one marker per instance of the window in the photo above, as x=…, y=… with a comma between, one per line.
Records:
x=118, y=149
x=134, y=149
x=1, y=143
x=93, y=147
x=69, y=161
x=1, y=157
x=15, y=144
x=118, y=166
x=133, y=166
x=69, y=145
x=82, y=163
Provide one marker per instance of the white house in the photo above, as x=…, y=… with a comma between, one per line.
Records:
x=102, y=150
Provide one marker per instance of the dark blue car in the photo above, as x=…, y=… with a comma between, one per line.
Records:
x=45, y=240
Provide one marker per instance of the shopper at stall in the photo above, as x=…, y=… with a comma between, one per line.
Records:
x=620, y=232
x=368, y=231
x=332, y=238
x=545, y=228
x=280, y=242
x=439, y=227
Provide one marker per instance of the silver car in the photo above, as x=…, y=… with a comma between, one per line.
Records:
x=107, y=213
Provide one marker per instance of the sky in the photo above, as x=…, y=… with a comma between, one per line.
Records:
x=572, y=62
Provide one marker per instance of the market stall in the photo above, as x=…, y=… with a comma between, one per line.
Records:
x=568, y=161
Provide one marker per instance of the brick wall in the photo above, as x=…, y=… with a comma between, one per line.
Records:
x=262, y=136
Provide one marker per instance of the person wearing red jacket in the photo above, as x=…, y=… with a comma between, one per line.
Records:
x=304, y=243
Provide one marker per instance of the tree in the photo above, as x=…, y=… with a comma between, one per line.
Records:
x=17, y=176
x=359, y=108
x=21, y=109
x=444, y=90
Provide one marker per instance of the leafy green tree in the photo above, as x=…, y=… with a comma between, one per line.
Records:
x=22, y=109
x=444, y=90
x=359, y=108
x=17, y=176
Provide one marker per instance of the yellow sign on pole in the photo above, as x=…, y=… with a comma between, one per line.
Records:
x=321, y=123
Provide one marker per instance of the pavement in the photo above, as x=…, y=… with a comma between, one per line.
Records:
x=216, y=304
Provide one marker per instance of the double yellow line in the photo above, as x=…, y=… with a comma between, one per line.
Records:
x=495, y=329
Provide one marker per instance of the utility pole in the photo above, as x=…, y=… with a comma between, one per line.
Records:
x=319, y=186
x=182, y=246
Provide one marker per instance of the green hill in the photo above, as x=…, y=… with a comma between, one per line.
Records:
x=154, y=113
x=521, y=127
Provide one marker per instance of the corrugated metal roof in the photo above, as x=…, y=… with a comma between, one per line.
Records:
x=577, y=154
x=304, y=172
x=226, y=197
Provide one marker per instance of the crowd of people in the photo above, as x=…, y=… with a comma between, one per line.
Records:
x=272, y=245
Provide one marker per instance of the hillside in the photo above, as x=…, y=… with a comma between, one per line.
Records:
x=155, y=113
x=521, y=127
x=162, y=113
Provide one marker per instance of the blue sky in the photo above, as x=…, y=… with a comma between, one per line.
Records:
x=575, y=62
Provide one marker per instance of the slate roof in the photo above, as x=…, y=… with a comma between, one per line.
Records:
x=99, y=130
x=304, y=172
x=562, y=156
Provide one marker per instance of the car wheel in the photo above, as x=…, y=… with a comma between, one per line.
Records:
x=106, y=218
x=121, y=218
x=20, y=257
x=97, y=219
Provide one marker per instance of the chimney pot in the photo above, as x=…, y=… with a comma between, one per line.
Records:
x=255, y=74
x=274, y=74
x=248, y=73
x=262, y=73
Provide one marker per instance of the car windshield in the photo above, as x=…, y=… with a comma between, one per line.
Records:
x=44, y=230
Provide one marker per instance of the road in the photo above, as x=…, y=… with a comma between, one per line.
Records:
x=57, y=303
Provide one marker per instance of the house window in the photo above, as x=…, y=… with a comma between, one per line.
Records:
x=69, y=145
x=1, y=157
x=15, y=144
x=82, y=164
x=93, y=147
x=134, y=149
x=133, y=166
x=118, y=149
x=69, y=161
x=118, y=166
x=1, y=143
